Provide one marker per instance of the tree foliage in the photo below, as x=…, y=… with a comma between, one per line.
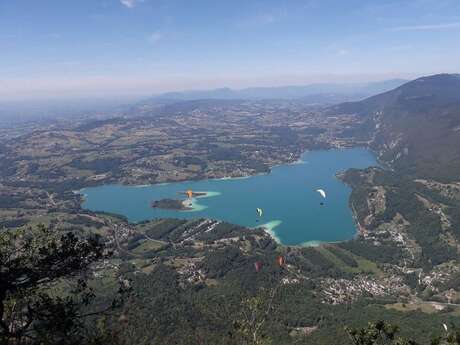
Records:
x=31, y=263
x=384, y=333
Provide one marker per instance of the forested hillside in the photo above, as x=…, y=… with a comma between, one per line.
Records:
x=416, y=127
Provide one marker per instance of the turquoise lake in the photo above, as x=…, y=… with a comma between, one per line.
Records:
x=292, y=210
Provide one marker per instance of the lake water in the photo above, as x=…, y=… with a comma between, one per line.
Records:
x=292, y=209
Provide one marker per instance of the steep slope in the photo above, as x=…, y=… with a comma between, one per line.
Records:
x=415, y=127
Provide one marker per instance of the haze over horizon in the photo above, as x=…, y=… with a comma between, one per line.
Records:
x=134, y=48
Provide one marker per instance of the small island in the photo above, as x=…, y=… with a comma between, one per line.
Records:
x=171, y=204
x=175, y=204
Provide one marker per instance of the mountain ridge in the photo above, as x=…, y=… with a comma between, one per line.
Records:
x=416, y=126
x=421, y=90
x=353, y=90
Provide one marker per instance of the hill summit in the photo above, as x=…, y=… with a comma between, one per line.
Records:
x=415, y=127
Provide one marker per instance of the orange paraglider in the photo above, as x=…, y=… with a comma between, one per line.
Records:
x=190, y=196
x=280, y=261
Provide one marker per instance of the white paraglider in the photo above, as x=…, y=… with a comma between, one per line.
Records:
x=322, y=192
x=259, y=213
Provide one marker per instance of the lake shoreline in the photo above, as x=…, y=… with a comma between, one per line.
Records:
x=297, y=161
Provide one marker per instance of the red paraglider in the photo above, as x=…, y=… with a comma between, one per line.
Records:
x=258, y=266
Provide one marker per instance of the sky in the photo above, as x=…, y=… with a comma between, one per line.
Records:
x=108, y=48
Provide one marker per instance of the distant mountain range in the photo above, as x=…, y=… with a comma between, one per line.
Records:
x=313, y=93
x=415, y=127
x=321, y=94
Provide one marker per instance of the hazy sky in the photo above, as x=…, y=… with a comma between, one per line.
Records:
x=62, y=48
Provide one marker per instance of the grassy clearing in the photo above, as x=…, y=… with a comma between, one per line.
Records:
x=364, y=265
x=147, y=246
x=423, y=307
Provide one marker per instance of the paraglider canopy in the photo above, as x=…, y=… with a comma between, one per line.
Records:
x=280, y=261
x=322, y=192
x=258, y=266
